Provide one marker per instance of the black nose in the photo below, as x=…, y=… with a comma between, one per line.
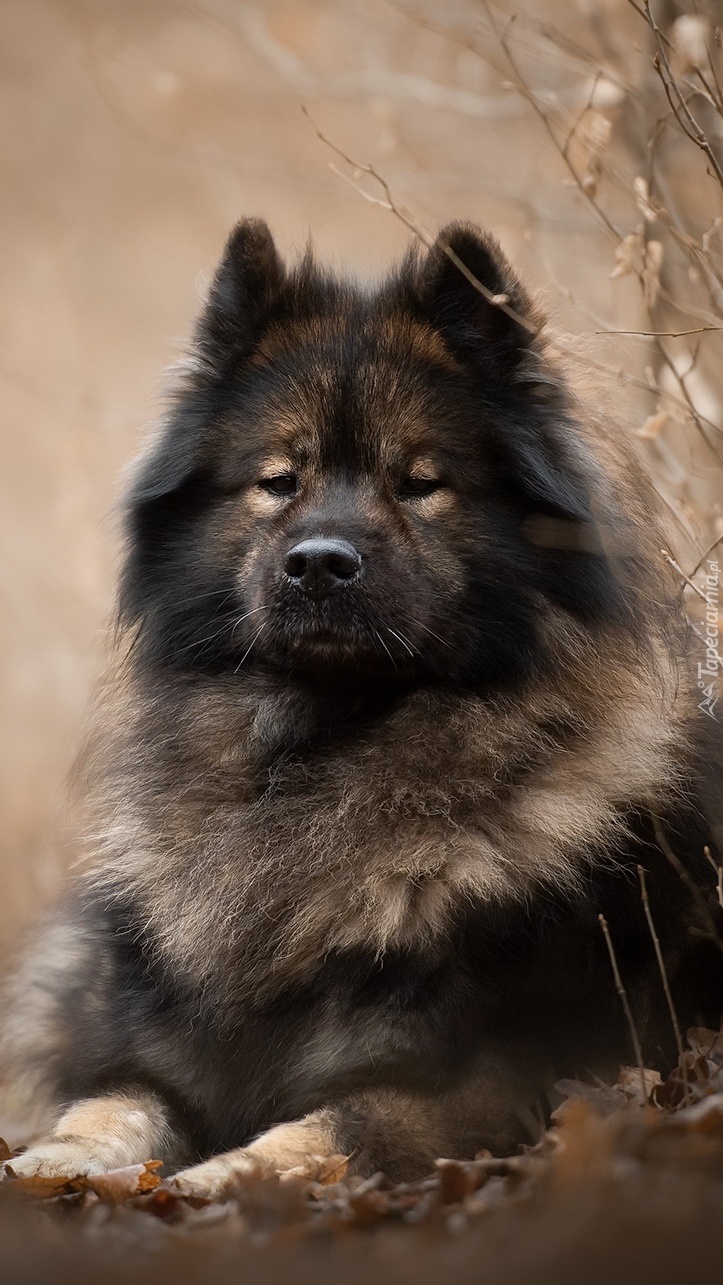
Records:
x=321, y=565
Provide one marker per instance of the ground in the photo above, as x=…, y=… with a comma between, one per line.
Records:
x=627, y=1183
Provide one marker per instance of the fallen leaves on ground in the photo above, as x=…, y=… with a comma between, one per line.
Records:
x=647, y=1142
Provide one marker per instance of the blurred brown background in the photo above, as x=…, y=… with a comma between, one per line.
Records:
x=135, y=132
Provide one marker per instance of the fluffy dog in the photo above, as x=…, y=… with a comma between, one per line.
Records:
x=403, y=701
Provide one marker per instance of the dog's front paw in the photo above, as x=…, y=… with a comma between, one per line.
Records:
x=214, y=1178
x=64, y=1158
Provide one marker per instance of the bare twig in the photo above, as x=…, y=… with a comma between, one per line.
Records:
x=686, y=878
x=690, y=583
x=661, y=965
x=675, y=96
x=635, y=1038
x=718, y=874
x=705, y=555
x=704, y=425
x=425, y=236
x=527, y=93
x=500, y=301
x=702, y=422
x=660, y=334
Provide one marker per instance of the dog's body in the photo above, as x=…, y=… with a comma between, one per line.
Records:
x=406, y=702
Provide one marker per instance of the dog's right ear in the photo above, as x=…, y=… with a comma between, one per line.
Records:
x=169, y=488
x=244, y=292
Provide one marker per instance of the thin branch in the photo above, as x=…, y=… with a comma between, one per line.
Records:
x=426, y=237
x=718, y=872
x=716, y=79
x=686, y=878
x=690, y=583
x=531, y=98
x=635, y=1038
x=661, y=965
x=500, y=301
x=701, y=421
x=713, y=91
x=704, y=556
x=676, y=98
x=586, y=192
x=635, y=381
x=661, y=334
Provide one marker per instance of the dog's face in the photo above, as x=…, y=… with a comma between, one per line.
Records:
x=350, y=485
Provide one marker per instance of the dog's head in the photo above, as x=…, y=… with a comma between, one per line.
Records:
x=358, y=483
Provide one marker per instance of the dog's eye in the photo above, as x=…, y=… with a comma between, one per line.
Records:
x=280, y=484
x=414, y=487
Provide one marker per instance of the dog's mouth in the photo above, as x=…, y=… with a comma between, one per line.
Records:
x=334, y=640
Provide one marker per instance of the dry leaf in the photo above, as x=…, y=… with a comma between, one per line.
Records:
x=37, y=1188
x=651, y=272
x=629, y=1084
x=456, y=1181
x=367, y=1204
x=642, y=199
x=705, y=1043
x=705, y=1116
x=652, y=426
x=689, y=36
x=601, y=1097
x=628, y=256
x=596, y=137
x=119, y=1185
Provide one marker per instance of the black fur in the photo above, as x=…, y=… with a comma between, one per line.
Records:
x=530, y=987
x=520, y=557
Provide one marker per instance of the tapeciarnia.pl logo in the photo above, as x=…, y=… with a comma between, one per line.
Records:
x=708, y=672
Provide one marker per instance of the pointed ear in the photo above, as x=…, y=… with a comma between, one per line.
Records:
x=245, y=289
x=469, y=291
x=491, y=323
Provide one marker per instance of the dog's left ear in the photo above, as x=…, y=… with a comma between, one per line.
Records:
x=469, y=291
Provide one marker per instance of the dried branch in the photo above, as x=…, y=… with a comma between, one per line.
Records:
x=500, y=301
x=661, y=965
x=660, y=334
x=635, y=1038
x=677, y=100
x=527, y=93
x=690, y=583
x=705, y=555
x=686, y=878
x=718, y=873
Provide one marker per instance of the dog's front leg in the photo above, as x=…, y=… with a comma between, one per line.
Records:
x=391, y=1130
x=300, y=1144
x=97, y=1134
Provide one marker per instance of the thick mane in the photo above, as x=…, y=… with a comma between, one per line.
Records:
x=246, y=879
x=230, y=798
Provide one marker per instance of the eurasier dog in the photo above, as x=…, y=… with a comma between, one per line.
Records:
x=403, y=703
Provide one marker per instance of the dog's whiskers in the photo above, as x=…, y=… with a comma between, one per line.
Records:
x=426, y=628
x=199, y=643
x=251, y=646
x=245, y=616
x=384, y=645
x=224, y=594
x=404, y=641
